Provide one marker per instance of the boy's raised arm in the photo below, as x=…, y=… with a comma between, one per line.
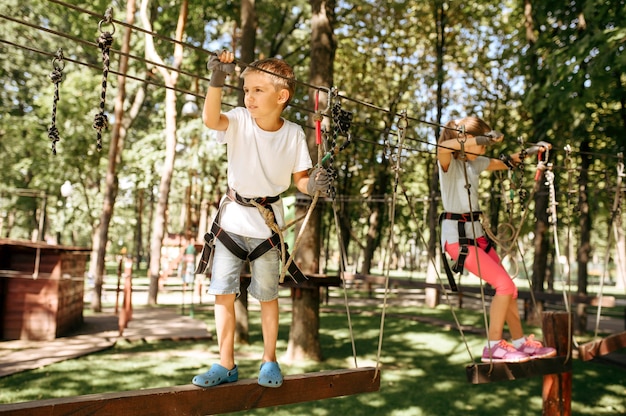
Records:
x=222, y=65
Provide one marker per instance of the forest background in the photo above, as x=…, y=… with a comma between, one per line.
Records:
x=533, y=70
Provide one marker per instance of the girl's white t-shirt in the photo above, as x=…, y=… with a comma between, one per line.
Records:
x=455, y=198
x=260, y=164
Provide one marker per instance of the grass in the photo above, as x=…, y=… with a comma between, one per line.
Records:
x=422, y=368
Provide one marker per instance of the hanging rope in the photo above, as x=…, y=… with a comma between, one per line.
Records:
x=614, y=222
x=402, y=127
x=318, y=117
x=341, y=124
x=552, y=219
x=56, y=76
x=105, y=40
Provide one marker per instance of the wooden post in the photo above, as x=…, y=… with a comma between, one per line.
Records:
x=126, y=313
x=557, y=388
x=120, y=266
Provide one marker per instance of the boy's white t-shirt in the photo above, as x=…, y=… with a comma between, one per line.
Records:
x=260, y=164
x=455, y=199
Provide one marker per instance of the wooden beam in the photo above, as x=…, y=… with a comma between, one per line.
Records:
x=489, y=373
x=190, y=400
x=604, y=346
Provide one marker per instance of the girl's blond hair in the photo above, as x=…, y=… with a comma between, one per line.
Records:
x=474, y=126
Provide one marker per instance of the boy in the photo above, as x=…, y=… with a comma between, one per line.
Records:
x=264, y=151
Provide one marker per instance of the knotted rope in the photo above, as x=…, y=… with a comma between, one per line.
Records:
x=105, y=40
x=56, y=76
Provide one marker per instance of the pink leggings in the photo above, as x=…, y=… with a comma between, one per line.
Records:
x=491, y=269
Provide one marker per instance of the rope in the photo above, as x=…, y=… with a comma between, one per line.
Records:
x=613, y=221
x=439, y=279
x=56, y=77
x=105, y=40
x=345, y=124
x=318, y=141
x=549, y=174
x=402, y=126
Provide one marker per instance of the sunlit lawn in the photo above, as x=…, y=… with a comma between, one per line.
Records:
x=422, y=368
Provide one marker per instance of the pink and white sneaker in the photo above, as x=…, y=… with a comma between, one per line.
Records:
x=535, y=349
x=503, y=352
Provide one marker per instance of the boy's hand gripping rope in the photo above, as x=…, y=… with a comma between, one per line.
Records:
x=56, y=77
x=105, y=40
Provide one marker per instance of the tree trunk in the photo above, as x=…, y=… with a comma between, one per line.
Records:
x=170, y=78
x=432, y=295
x=248, y=38
x=248, y=43
x=584, y=225
x=139, y=227
x=620, y=261
x=541, y=246
x=372, y=238
x=304, y=333
x=100, y=238
x=584, y=218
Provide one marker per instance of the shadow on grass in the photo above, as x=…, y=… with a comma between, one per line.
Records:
x=422, y=372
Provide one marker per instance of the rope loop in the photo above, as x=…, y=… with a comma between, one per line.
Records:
x=56, y=76
x=108, y=20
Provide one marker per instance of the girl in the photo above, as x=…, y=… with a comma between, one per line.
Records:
x=463, y=237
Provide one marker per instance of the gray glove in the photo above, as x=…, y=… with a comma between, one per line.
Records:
x=318, y=181
x=220, y=71
x=534, y=149
x=488, y=138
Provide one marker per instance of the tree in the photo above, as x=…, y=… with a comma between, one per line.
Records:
x=170, y=78
x=304, y=333
x=116, y=145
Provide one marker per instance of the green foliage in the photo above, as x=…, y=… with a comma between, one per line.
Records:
x=565, y=88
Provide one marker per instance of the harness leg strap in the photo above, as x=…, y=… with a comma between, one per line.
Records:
x=274, y=241
x=460, y=262
x=205, y=256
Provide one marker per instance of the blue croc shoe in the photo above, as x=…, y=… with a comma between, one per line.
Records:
x=270, y=375
x=216, y=375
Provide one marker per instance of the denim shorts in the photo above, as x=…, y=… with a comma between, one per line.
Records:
x=226, y=270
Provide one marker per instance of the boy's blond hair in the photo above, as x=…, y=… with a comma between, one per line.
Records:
x=279, y=71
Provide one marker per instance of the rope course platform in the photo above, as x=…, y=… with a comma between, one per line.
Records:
x=601, y=347
x=189, y=400
x=489, y=373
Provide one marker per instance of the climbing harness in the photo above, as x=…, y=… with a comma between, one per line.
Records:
x=275, y=240
x=105, y=40
x=56, y=76
x=463, y=218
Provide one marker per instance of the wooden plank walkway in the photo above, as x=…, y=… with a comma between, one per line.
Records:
x=189, y=400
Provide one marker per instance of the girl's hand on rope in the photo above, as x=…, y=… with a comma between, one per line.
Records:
x=489, y=138
x=222, y=65
x=538, y=147
x=319, y=180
